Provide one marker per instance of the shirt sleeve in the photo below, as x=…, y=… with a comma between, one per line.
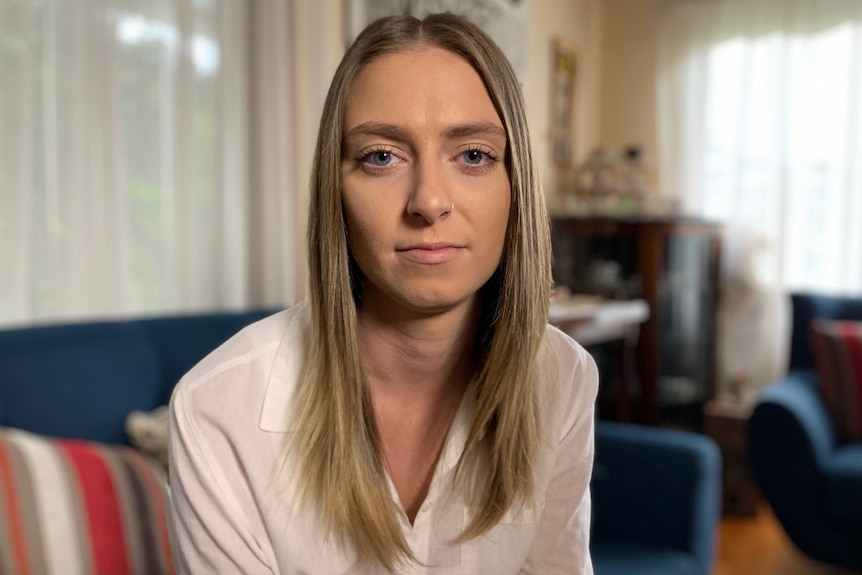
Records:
x=209, y=531
x=561, y=542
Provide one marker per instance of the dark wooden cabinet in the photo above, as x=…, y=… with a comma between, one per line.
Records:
x=672, y=263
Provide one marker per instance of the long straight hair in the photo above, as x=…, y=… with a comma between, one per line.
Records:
x=341, y=469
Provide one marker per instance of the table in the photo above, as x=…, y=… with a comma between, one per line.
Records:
x=725, y=419
x=591, y=320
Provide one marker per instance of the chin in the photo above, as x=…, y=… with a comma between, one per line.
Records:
x=436, y=303
x=433, y=306
x=421, y=296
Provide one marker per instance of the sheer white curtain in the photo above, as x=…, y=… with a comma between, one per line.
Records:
x=145, y=157
x=760, y=126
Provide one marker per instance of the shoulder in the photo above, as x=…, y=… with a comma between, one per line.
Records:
x=568, y=379
x=256, y=343
x=235, y=377
x=563, y=359
x=564, y=350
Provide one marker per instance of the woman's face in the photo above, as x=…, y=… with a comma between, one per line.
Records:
x=426, y=193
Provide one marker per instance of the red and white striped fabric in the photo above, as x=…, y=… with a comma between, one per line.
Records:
x=70, y=507
x=837, y=348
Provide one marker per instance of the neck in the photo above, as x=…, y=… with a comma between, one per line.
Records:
x=416, y=353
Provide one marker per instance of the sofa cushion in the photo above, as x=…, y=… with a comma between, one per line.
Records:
x=806, y=307
x=71, y=506
x=837, y=346
x=844, y=485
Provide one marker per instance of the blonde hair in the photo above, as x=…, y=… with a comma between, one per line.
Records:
x=337, y=442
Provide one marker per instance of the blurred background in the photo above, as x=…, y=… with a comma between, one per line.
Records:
x=155, y=153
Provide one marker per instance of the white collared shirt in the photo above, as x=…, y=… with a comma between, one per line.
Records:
x=230, y=424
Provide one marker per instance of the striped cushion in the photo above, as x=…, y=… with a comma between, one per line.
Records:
x=69, y=506
x=837, y=347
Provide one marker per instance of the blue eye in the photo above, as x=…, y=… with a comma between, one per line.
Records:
x=477, y=158
x=474, y=157
x=378, y=159
x=381, y=158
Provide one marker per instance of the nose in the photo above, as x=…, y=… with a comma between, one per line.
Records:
x=430, y=197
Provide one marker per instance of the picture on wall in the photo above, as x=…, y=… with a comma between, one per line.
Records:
x=504, y=20
x=563, y=94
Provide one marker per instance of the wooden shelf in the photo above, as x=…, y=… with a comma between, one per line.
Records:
x=669, y=262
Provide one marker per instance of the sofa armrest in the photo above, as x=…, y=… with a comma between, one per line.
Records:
x=796, y=397
x=656, y=487
x=791, y=438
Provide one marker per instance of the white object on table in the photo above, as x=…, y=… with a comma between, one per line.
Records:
x=593, y=319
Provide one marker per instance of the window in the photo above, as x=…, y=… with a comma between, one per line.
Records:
x=125, y=164
x=772, y=136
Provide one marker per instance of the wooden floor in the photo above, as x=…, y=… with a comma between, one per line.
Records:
x=758, y=546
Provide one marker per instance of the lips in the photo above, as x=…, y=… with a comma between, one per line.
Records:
x=431, y=253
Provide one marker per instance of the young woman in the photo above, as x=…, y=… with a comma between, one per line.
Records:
x=416, y=414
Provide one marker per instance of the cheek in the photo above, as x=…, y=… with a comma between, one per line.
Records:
x=356, y=232
x=496, y=216
x=364, y=227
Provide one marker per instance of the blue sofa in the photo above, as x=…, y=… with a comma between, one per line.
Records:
x=812, y=483
x=66, y=469
x=81, y=380
x=655, y=491
x=656, y=501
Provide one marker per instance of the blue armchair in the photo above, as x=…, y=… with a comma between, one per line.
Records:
x=656, y=501
x=812, y=483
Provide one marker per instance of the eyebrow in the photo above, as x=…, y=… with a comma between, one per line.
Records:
x=377, y=129
x=392, y=132
x=475, y=129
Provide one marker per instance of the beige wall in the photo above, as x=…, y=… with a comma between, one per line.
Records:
x=579, y=24
x=628, y=77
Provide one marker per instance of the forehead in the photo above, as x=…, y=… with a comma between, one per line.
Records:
x=424, y=86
